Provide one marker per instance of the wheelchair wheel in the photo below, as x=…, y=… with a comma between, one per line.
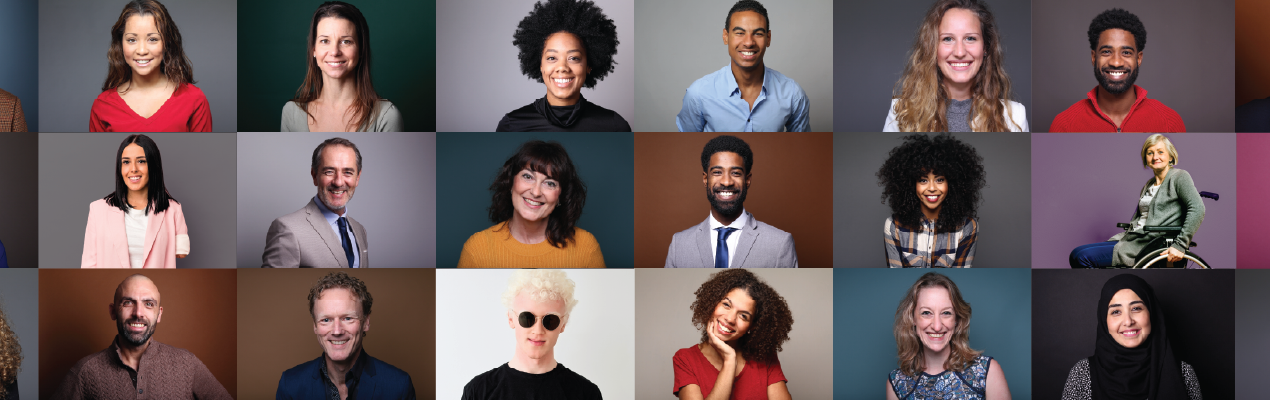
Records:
x=1156, y=256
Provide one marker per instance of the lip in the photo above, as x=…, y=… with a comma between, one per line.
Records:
x=726, y=195
x=932, y=198
x=721, y=330
x=538, y=342
x=748, y=57
x=532, y=204
x=1132, y=333
x=563, y=82
x=960, y=65
x=143, y=62
x=337, y=194
x=134, y=327
x=942, y=336
x=1116, y=75
x=336, y=64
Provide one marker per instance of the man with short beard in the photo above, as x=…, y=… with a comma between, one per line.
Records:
x=322, y=235
x=730, y=237
x=118, y=371
x=1116, y=41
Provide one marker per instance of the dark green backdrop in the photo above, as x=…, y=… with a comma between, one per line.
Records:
x=272, y=36
x=467, y=163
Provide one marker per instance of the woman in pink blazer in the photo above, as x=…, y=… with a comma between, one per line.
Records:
x=140, y=225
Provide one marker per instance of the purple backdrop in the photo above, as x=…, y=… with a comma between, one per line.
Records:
x=1253, y=240
x=1085, y=183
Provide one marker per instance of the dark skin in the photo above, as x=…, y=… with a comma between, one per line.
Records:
x=748, y=33
x=726, y=169
x=1116, y=49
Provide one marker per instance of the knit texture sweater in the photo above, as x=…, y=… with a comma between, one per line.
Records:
x=1176, y=203
x=1146, y=115
x=164, y=372
x=495, y=247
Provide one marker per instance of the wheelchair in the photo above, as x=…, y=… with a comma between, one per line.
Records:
x=1159, y=245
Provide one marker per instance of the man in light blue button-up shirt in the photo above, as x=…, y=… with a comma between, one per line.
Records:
x=745, y=96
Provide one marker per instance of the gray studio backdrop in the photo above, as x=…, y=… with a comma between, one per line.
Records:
x=1250, y=326
x=20, y=69
x=1188, y=61
x=17, y=232
x=682, y=41
x=76, y=35
x=663, y=325
x=19, y=298
x=395, y=198
x=874, y=39
x=1005, y=211
x=78, y=168
x=478, y=72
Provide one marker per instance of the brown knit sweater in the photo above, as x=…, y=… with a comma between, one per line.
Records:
x=164, y=372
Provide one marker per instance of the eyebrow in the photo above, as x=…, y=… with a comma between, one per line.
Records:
x=1107, y=46
x=1130, y=303
x=144, y=299
x=756, y=30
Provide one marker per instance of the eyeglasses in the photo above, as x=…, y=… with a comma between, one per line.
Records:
x=550, y=321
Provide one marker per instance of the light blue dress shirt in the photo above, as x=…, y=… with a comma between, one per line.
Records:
x=714, y=104
x=333, y=219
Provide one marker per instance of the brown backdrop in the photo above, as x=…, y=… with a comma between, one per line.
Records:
x=791, y=189
x=1252, y=61
x=277, y=330
x=198, y=315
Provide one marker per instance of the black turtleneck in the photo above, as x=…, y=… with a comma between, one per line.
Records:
x=581, y=117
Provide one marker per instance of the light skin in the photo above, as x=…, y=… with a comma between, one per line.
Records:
x=340, y=328
x=729, y=322
x=335, y=52
x=136, y=176
x=534, y=196
x=960, y=51
x=137, y=312
x=142, y=47
x=564, y=68
x=935, y=321
x=932, y=189
x=747, y=39
x=336, y=177
x=1158, y=157
x=724, y=180
x=1128, y=320
x=535, y=345
x=1116, y=56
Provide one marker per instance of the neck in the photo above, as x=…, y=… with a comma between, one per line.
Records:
x=930, y=214
x=336, y=370
x=339, y=212
x=528, y=232
x=147, y=82
x=542, y=365
x=563, y=102
x=1159, y=175
x=749, y=78
x=935, y=361
x=130, y=354
x=1119, y=104
x=958, y=91
x=139, y=199
x=725, y=219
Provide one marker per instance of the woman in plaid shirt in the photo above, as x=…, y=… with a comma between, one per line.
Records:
x=932, y=185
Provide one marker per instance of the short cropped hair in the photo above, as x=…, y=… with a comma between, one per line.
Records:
x=340, y=280
x=583, y=19
x=1117, y=18
x=317, y=153
x=909, y=345
x=747, y=5
x=542, y=285
x=1154, y=140
x=727, y=143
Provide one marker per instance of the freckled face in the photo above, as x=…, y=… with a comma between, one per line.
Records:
x=1128, y=320
x=934, y=318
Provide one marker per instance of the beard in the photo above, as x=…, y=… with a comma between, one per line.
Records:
x=135, y=339
x=1116, y=87
x=728, y=207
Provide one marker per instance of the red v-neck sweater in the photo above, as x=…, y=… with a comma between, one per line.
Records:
x=1147, y=115
x=185, y=111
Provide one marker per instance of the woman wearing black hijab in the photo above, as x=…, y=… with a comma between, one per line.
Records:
x=1132, y=357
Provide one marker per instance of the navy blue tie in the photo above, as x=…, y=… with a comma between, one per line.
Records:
x=721, y=249
x=348, y=247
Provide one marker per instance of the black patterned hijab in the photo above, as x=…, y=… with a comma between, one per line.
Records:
x=1149, y=371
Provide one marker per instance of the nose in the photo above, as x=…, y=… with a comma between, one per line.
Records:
x=536, y=190
x=959, y=50
x=939, y=324
x=338, y=329
x=538, y=328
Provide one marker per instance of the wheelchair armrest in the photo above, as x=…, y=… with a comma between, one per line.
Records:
x=1123, y=225
x=1173, y=229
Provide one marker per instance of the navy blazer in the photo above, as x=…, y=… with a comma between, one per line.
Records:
x=378, y=380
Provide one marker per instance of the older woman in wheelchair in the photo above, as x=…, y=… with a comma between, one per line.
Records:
x=1168, y=213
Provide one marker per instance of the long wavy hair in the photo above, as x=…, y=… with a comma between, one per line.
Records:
x=772, y=318
x=550, y=159
x=909, y=345
x=363, y=107
x=158, y=192
x=10, y=354
x=921, y=101
x=175, y=65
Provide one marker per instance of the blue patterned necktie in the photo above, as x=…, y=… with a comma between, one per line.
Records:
x=721, y=250
x=348, y=247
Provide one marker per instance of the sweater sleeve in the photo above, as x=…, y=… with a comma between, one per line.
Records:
x=1194, y=206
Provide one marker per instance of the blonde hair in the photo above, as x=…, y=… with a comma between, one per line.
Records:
x=542, y=285
x=909, y=345
x=921, y=101
x=1154, y=140
x=10, y=354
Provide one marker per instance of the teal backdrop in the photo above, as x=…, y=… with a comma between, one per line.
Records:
x=864, y=303
x=468, y=162
x=272, y=43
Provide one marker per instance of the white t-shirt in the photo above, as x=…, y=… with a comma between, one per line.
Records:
x=135, y=223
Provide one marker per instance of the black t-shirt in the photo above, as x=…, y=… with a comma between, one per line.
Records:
x=505, y=383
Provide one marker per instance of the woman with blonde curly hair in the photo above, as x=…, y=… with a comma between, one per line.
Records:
x=10, y=360
x=932, y=336
x=955, y=80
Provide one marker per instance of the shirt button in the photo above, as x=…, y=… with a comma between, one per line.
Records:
x=141, y=391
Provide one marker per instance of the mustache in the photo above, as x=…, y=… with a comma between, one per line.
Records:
x=719, y=188
x=137, y=321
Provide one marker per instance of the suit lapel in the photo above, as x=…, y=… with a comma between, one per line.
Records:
x=116, y=222
x=319, y=224
x=361, y=242
x=748, y=237
x=153, y=224
x=703, y=244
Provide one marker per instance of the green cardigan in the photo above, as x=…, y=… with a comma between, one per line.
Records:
x=1176, y=203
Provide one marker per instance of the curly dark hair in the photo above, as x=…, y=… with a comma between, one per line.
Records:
x=583, y=19
x=942, y=155
x=1117, y=18
x=10, y=354
x=342, y=281
x=772, y=318
x=550, y=159
x=747, y=5
x=727, y=143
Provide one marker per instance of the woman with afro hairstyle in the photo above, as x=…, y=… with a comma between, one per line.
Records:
x=743, y=324
x=955, y=80
x=932, y=185
x=568, y=45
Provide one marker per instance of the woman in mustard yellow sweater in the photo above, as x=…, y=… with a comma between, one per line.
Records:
x=537, y=198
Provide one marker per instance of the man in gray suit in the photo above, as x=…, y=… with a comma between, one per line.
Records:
x=730, y=237
x=321, y=235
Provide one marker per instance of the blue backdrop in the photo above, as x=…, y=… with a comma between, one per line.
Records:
x=19, y=71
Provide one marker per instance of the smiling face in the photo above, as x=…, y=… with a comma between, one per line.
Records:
x=1158, y=156
x=564, y=68
x=339, y=324
x=142, y=44
x=336, y=177
x=733, y=315
x=1116, y=60
x=136, y=310
x=534, y=195
x=934, y=318
x=134, y=168
x=747, y=39
x=932, y=189
x=960, y=48
x=726, y=182
x=335, y=50
x=536, y=342
x=1128, y=320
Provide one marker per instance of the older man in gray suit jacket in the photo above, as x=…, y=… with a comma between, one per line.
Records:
x=321, y=235
x=730, y=237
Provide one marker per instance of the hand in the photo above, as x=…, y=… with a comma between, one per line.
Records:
x=181, y=255
x=725, y=351
x=1174, y=254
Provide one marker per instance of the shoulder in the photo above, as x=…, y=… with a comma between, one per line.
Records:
x=294, y=217
x=93, y=362
x=786, y=86
x=486, y=379
x=176, y=353
x=108, y=94
x=685, y=235
x=386, y=371
x=99, y=205
x=686, y=353
x=527, y=109
x=386, y=110
x=174, y=206
x=485, y=236
x=582, y=238
x=291, y=108
x=1159, y=109
x=192, y=92
x=576, y=381
x=6, y=96
x=307, y=368
x=766, y=229
x=601, y=113
x=1079, y=371
x=706, y=86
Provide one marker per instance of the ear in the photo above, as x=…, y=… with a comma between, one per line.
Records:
x=366, y=324
x=747, y=179
x=110, y=309
x=769, y=39
x=1139, y=59
x=725, y=36
x=159, y=317
x=510, y=322
x=563, y=323
x=1093, y=57
x=705, y=179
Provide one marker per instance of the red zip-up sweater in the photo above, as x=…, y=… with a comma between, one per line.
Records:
x=1146, y=115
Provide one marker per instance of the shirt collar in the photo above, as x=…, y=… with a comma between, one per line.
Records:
x=331, y=216
x=740, y=222
x=350, y=378
x=114, y=345
x=734, y=89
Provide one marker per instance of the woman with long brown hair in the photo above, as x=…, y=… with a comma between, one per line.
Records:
x=149, y=83
x=955, y=80
x=337, y=94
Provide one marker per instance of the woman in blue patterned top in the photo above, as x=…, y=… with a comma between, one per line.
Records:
x=932, y=336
